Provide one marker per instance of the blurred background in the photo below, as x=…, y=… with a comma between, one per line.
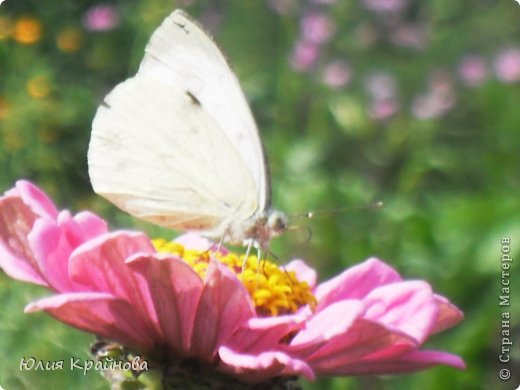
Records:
x=413, y=103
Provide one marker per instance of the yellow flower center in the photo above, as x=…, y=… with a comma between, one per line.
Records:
x=274, y=290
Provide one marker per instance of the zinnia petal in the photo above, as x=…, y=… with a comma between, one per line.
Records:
x=303, y=272
x=99, y=265
x=259, y=367
x=356, y=282
x=448, y=316
x=52, y=242
x=34, y=198
x=86, y=226
x=364, y=339
x=175, y=290
x=336, y=319
x=224, y=305
x=196, y=242
x=406, y=363
x=52, y=249
x=98, y=313
x=416, y=360
x=407, y=307
x=264, y=333
x=16, y=256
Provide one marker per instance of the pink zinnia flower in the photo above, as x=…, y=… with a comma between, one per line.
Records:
x=187, y=306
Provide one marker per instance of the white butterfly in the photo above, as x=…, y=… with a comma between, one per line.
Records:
x=177, y=145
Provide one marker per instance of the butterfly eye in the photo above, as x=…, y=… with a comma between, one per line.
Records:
x=277, y=223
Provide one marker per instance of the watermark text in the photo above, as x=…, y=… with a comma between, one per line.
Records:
x=504, y=302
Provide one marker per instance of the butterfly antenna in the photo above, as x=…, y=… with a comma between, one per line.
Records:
x=312, y=214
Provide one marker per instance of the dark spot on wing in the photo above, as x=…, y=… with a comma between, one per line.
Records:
x=182, y=27
x=193, y=98
x=105, y=105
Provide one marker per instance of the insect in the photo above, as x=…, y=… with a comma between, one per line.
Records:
x=177, y=145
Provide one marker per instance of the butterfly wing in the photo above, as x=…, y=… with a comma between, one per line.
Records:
x=156, y=153
x=181, y=54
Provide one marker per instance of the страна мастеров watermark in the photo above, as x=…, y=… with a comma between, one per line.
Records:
x=504, y=302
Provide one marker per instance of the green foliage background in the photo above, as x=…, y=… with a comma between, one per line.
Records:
x=450, y=183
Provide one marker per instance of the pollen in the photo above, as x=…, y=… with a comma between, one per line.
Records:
x=274, y=290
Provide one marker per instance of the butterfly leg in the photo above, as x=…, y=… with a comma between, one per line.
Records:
x=220, y=243
x=248, y=250
x=260, y=263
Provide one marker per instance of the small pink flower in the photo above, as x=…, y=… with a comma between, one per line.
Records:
x=337, y=74
x=439, y=98
x=304, y=56
x=102, y=17
x=383, y=109
x=432, y=104
x=187, y=302
x=472, y=70
x=385, y=5
x=409, y=35
x=317, y=28
x=282, y=7
x=327, y=2
x=383, y=90
x=381, y=86
x=507, y=65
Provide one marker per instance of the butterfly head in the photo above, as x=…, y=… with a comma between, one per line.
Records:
x=276, y=223
x=260, y=228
